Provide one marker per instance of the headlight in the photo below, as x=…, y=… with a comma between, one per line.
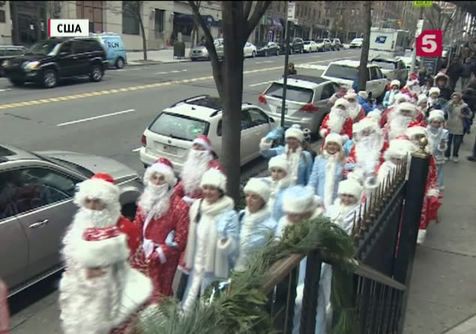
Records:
x=32, y=65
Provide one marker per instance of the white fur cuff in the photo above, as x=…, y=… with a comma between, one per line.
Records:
x=92, y=254
x=433, y=192
x=161, y=254
x=264, y=144
x=227, y=246
x=323, y=132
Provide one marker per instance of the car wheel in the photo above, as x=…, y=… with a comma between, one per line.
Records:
x=17, y=83
x=49, y=78
x=96, y=73
x=120, y=63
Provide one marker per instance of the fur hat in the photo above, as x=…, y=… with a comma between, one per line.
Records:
x=215, y=178
x=434, y=90
x=164, y=167
x=407, y=106
x=441, y=75
x=422, y=99
x=363, y=94
x=203, y=141
x=258, y=187
x=375, y=115
x=350, y=95
x=415, y=131
x=436, y=114
x=294, y=132
x=395, y=83
x=366, y=123
x=280, y=162
x=100, y=186
x=300, y=199
x=399, y=149
x=401, y=98
x=342, y=102
x=350, y=187
x=334, y=138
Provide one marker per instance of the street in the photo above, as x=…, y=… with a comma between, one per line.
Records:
x=107, y=119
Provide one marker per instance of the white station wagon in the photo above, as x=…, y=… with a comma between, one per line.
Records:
x=171, y=133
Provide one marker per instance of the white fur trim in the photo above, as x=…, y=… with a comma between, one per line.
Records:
x=363, y=94
x=293, y=132
x=264, y=144
x=436, y=115
x=415, y=131
x=161, y=254
x=203, y=143
x=334, y=138
x=323, y=132
x=395, y=83
x=92, y=254
x=434, y=90
x=214, y=178
x=299, y=199
x=227, y=246
x=342, y=102
x=97, y=189
x=280, y=162
x=350, y=187
x=407, y=106
x=435, y=192
x=161, y=169
x=259, y=187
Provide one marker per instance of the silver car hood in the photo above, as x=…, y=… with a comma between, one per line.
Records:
x=95, y=164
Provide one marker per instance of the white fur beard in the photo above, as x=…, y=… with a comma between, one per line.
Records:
x=336, y=122
x=367, y=152
x=398, y=126
x=192, y=172
x=86, y=218
x=153, y=200
x=354, y=110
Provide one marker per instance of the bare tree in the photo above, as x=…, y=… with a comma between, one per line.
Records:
x=363, y=71
x=239, y=20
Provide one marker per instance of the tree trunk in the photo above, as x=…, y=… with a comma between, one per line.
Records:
x=363, y=71
x=144, y=39
x=232, y=70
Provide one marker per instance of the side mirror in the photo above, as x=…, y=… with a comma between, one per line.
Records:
x=271, y=119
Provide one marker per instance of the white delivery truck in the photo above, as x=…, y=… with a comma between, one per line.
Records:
x=388, y=43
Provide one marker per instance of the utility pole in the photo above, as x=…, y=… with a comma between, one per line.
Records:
x=286, y=63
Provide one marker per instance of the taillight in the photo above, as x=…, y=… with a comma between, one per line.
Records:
x=143, y=140
x=262, y=99
x=309, y=107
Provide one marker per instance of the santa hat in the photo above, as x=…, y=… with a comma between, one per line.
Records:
x=395, y=83
x=363, y=94
x=436, y=114
x=416, y=130
x=434, y=90
x=358, y=175
x=294, y=132
x=163, y=167
x=342, y=102
x=422, y=98
x=350, y=95
x=401, y=98
x=203, y=141
x=366, y=123
x=411, y=83
x=407, y=106
x=334, y=138
x=100, y=186
x=280, y=162
x=375, y=115
x=350, y=187
x=300, y=199
x=213, y=177
x=441, y=75
x=399, y=149
x=258, y=187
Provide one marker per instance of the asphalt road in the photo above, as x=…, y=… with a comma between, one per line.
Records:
x=127, y=100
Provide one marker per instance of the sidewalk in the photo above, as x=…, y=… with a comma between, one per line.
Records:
x=443, y=288
x=155, y=57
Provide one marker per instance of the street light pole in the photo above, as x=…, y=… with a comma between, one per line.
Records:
x=286, y=62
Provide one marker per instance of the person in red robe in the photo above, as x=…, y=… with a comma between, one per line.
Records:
x=163, y=218
x=400, y=98
x=337, y=121
x=356, y=111
x=403, y=117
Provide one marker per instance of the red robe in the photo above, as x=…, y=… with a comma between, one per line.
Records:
x=352, y=158
x=162, y=273
x=360, y=115
x=132, y=231
x=346, y=128
x=179, y=189
x=432, y=200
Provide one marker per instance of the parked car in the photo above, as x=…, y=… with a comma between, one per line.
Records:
x=249, y=50
x=201, y=52
x=36, y=207
x=8, y=52
x=321, y=47
x=171, y=133
x=392, y=68
x=115, y=51
x=306, y=100
x=356, y=43
x=310, y=46
x=295, y=46
x=48, y=61
x=327, y=44
x=267, y=49
x=336, y=44
x=347, y=72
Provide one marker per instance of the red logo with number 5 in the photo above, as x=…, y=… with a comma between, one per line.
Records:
x=430, y=44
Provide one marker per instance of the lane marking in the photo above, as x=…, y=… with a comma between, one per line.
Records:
x=136, y=149
x=174, y=71
x=95, y=117
x=260, y=83
x=264, y=62
x=5, y=90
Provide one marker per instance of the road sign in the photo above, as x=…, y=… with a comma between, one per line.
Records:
x=430, y=44
x=422, y=4
x=291, y=11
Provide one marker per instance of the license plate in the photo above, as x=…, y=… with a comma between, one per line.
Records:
x=170, y=149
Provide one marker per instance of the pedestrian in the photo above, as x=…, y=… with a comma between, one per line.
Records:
x=4, y=313
x=458, y=117
x=454, y=72
x=422, y=105
x=441, y=81
x=438, y=142
x=435, y=100
x=399, y=98
x=356, y=111
x=162, y=216
x=257, y=226
x=291, y=69
x=279, y=181
x=337, y=120
x=299, y=160
x=328, y=169
x=403, y=117
x=469, y=97
x=365, y=103
x=389, y=97
x=466, y=72
x=213, y=238
x=99, y=291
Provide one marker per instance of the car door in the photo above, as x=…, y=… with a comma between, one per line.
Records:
x=260, y=126
x=82, y=52
x=381, y=82
x=67, y=61
x=47, y=210
x=13, y=241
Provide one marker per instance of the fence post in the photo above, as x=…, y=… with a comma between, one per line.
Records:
x=311, y=287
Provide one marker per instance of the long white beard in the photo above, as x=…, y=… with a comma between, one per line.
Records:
x=86, y=218
x=293, y=161
x=194, y=168
x=354, y=109
x=336, y=121
x=367, y=152
x=156, y=198
x=398, y=125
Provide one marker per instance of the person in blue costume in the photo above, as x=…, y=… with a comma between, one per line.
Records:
x=278, y=183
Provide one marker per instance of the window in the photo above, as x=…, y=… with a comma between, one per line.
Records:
x=67, y=47
x=130, y=22
x=342, y=72
x=179, y=126
x=293, y=93
x=327, y=91
x=27, y=189
x=373, y=73
x=2, y=16
x=159, y=21
x=257, y=117
x=91, y=10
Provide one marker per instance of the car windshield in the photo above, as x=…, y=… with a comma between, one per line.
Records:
x=179, y=126
x=320, y=40
x=342, y=72
x=44, y=47
x=386, y=65
x=293, y=93
x=307, y=42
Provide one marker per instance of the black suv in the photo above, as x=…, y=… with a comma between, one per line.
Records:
x=295, y=46
x=48, y=61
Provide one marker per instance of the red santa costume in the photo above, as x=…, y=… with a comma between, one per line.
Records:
x=356, y=111
x=400, y=98
x=400, y=120
x=338, y=120
x=99, y=291
x=432, y=200
x=412, y=88
x=398, y=150
x=163, y=219
x=197, y=163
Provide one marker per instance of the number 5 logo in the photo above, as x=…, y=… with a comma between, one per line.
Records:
x=430, y=44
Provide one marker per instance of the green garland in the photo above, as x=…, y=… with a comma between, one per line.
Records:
x=240, y=309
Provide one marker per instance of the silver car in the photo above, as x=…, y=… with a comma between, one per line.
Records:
x=36, y=207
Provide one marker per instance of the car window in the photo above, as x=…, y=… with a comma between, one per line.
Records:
x=342, y=72
x=386, y=65
x=373, y=73
x=257, y=117
x=327, y=91
x=26, y=189
x=379, y=73
x=293, y=93
x=246, y=122
x=179, y=126
x=67, y=47
x=80, y=46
